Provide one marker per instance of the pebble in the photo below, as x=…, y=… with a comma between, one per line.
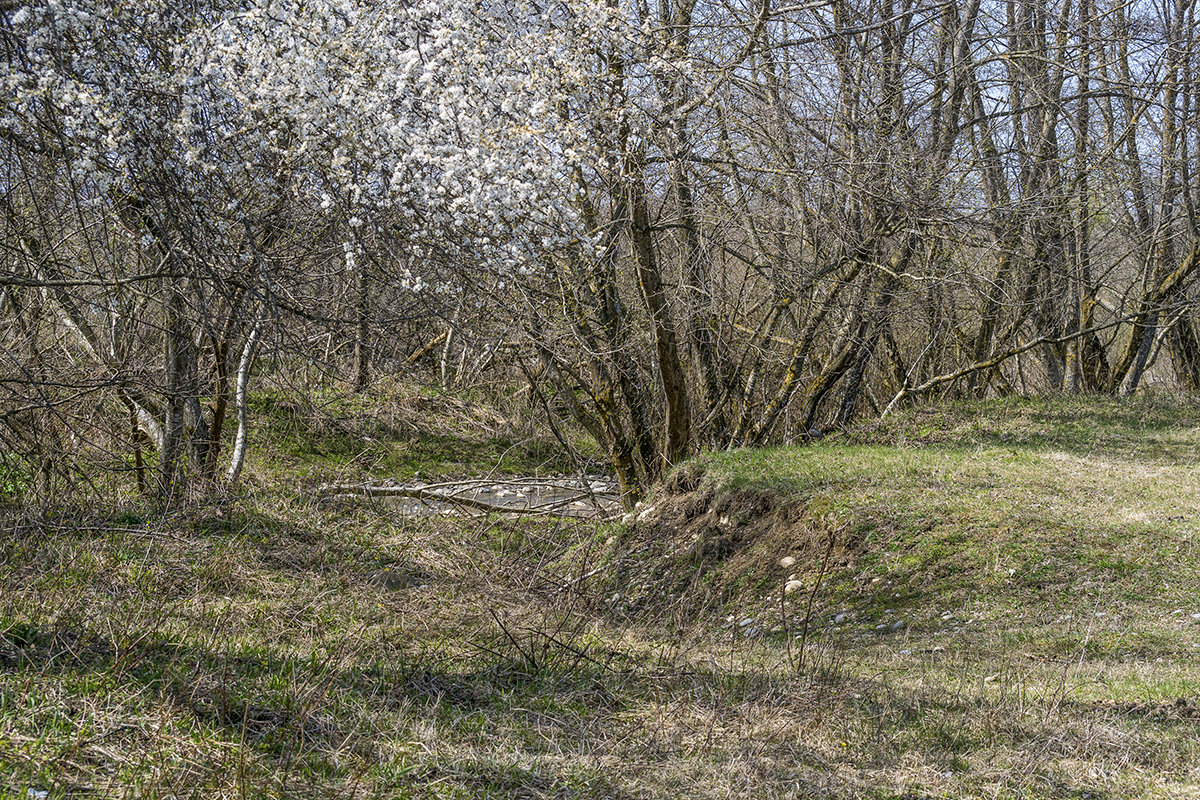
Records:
x=787, y=561
x=745, y=622
x=839, y=619
x=898, y=624
x=1196, y=617
x=792, y=586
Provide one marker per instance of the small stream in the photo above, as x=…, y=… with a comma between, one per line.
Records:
x=586, y=497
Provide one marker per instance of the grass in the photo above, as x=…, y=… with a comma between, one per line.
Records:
x=1036, y=554
x=397, y=432
x=1107, y=522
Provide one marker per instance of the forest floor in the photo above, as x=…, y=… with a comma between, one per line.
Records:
x=996, y=600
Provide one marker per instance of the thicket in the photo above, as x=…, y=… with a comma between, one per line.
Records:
x=674, y=226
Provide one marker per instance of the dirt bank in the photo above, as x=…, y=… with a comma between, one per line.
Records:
x=696, y=544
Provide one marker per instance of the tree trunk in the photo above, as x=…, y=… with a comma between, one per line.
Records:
x=677, y=433
x=238, y=456
x=362, y=346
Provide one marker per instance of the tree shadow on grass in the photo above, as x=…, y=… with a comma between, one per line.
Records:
x=330, y=716
x=1146, y=429
x=306, y=729
x=325, y=709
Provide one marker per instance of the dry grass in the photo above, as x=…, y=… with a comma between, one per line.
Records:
x=276, y=648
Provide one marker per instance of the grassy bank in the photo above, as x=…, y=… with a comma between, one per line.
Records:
x=989, y=601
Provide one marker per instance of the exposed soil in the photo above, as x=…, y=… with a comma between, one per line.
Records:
x=696, y=545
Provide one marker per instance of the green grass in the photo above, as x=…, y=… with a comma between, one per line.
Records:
x=1085, y=504
x=398, y=433
x=275, y=646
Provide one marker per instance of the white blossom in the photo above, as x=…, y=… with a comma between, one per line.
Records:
x=450, y=125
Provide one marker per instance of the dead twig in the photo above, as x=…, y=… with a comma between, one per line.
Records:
x=808, y=607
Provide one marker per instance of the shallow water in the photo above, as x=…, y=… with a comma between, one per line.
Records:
x=589, y=497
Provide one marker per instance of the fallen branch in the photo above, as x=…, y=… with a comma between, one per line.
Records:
x=996, y=360
x=425, y=349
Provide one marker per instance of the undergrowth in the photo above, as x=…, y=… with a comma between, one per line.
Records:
x=1010, y=612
